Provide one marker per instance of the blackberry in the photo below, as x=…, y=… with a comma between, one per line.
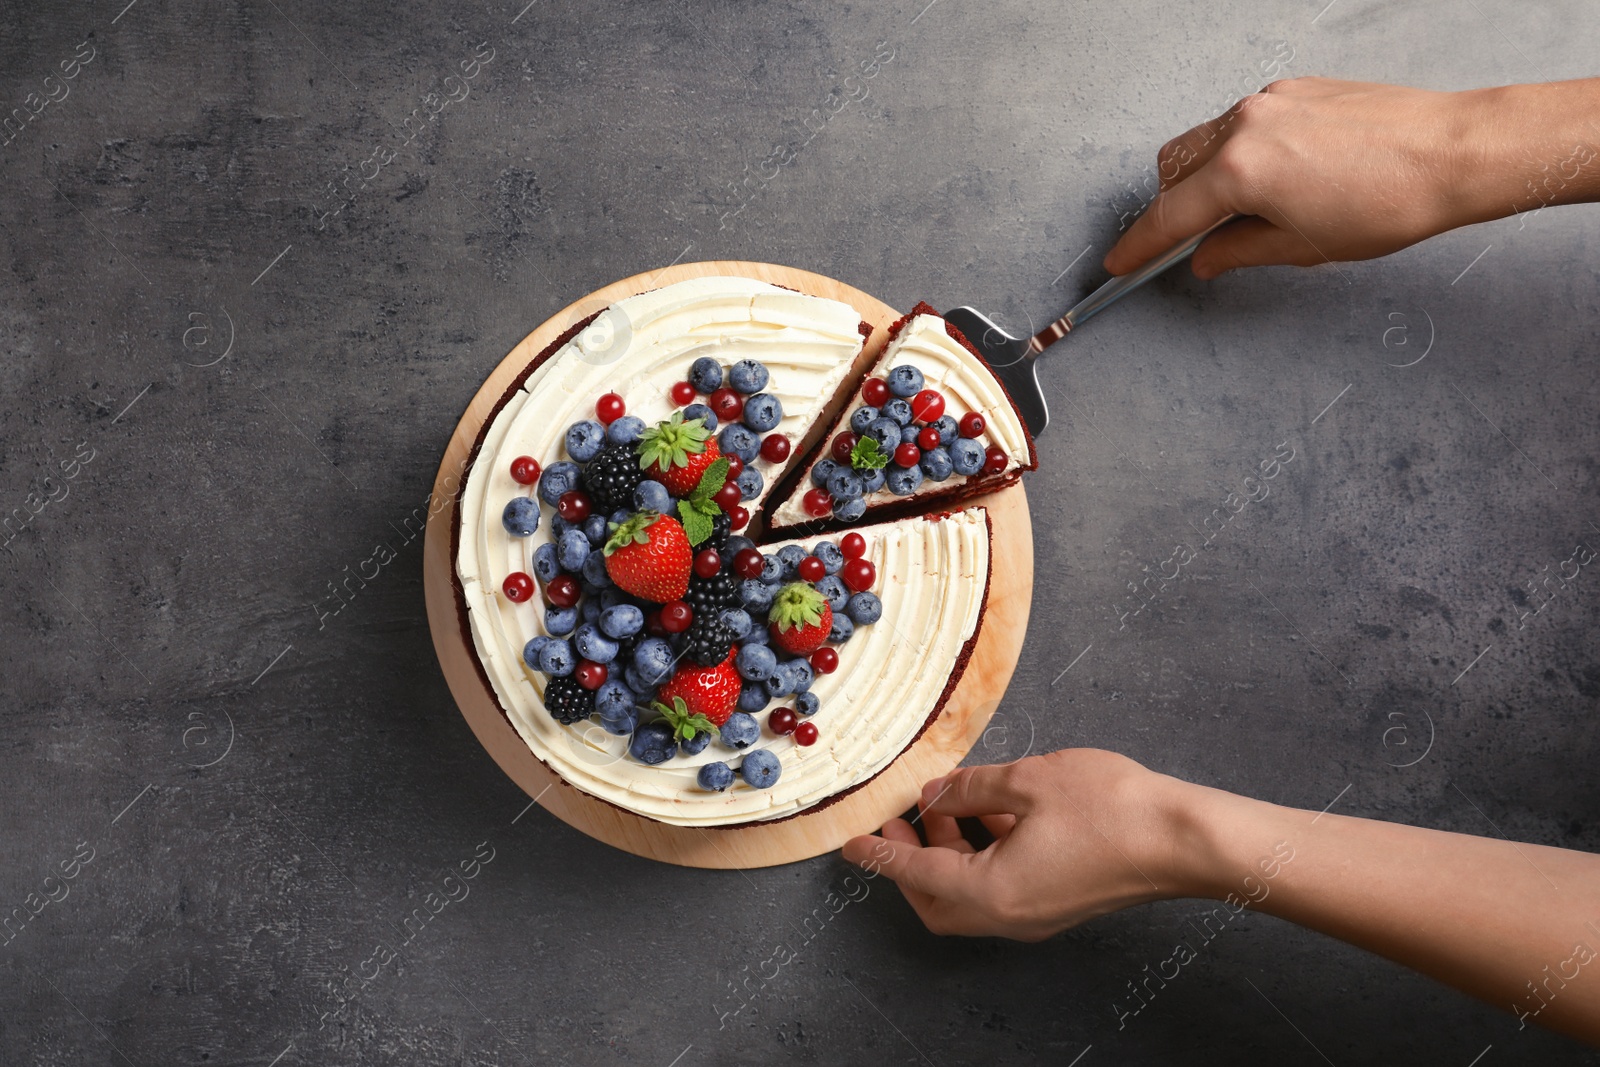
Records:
x=567, y=701
x=709, y=640
x=707, y=597
x=721, y=528
x=611, y=477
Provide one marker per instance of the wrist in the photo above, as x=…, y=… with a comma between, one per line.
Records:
x=1217, y=842
x=1516, y=148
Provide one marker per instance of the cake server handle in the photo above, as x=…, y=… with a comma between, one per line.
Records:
x=1118, y=287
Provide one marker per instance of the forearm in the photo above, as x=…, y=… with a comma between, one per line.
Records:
x=1515, y=924
x=1522, y=147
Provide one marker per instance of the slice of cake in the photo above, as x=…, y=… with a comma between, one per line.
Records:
x=933, y=426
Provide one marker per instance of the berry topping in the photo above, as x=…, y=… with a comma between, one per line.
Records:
x=817, y=502
x=741, y=730
x=825, y=660
x=715, y=776
x=762, y=412
x=738, y=518
x=748, y=376
x=748, y=563
x=812, y=569
x=525, y=470
x=728, y=497
x=805, y=733
x=728, y=404
x=609, y=408
x=775, y=448
x=591, y=675
x=972, y=424
x=907, y=454
x=859, y=575
x=853, y=545
x=517, y=587
x=652, y=743
x=995, y=459
x=928, y=439
x=800, y=618
x=705, y=374
x=612, y=476
x=782, y=720
x=927, y=406
x=842, y=446
x=707, y=563
x=574, y=506
x=649, y=556
x=760, y=769
x=585, y=440
x=676, y=617
x=735, y=467
x=562, y=590
x=521, y=516
x=711, y=693
x=677, y=452
x=682, y=393
x=875, y=391
x=966, y=456
x=905, y=381
x=567, y=701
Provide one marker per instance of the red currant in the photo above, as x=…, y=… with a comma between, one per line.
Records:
x=812, y=569
x=573, y=506
x=775, y=448
x=738, y=518
x=747, y=563
x=591, y=675
x=927, y=406
x=858, y=575
x=782, y=720
x=610, y=408
x=825, y=660
x=562, y=590
x=928, y=439
x=817, y=503
x=682, y=393
x=676, y=617
x=525, y=470
x=707, y=563
x=735, y=467
x=906, y=454
x=517, y=587
x=875, y=391
x=995, y=459
x=727, y=404
x=972, y=424
x=842, y=446
x=805, y=734
x=853, y=545
x=728, y=496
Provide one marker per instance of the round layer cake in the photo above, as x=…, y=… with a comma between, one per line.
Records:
x=642, y=647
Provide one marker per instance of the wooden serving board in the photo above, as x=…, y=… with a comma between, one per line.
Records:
x=936, y=752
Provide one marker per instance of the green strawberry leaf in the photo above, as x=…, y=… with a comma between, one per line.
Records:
x=696, y=524
x=635, y=531
x=684, y=725
x=797, y=606
x=669, y=443
x=866, y=455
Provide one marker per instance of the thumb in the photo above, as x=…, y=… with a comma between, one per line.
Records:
x=987, y=790
x=1252, y=242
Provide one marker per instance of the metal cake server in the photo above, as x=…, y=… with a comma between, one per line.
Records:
x=1014, y=359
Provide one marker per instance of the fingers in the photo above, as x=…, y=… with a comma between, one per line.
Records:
x=944, y=832
x=1191, y=150
x=998, y=825
x=1252, y=242
x=988, y=790
x=1173, y=216
x=922, y=873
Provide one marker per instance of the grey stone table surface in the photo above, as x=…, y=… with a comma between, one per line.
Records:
x=259, y=255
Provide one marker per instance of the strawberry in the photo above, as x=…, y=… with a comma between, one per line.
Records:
x=800, y=618
x=649, y=556
x=676, y=453
x=709, y=691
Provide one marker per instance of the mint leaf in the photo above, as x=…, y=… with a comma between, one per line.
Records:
x=696, y=524
x=866, y=455
x=711, y=479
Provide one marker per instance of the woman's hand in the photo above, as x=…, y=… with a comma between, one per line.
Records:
x=1328, y=170
x=1079, y=832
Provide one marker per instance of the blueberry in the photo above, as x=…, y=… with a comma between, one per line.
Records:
x=737, y=544
x=771, y=569
x=828, y=552
x=651, y=495
x=832, y=588
x=861, y=418
x=760, y=769
x=560, y=621
x=781, y=684
x=740, y=731
x=739, y=440
x=572, y=549
x=560, y=477
x=750, y=483
x=843, y=629
x=850, y=510
x=820, y=472
x=905, y=380
x=613, y=597
x=556, y=658
x=652, y=743
x=935, y=463
x=715, y=776
x=845, y=484
x=638, y=683
x=756, y=595
x=755, y=663
x=622, y=620
x=594, y=645
x=898, y=410
x=762, y=412
x=872, y=480
x=558, y=526
x=966, y=456
x=752, y=696
x=546, y=562
x=589, y=610
x=620, y=516
x=621, y=725
x=654, y=660
x=747, y=376
x=948, y=429
x=705, y=374
x=886, y=432
x=613, y=700
x=699, y=411
x=625, y=431
x=807, y=703
x=909, y=434
x=585, y=440
x=693, y=746
x=521, y=516
x=864, y=609
x=789, y=556
x=594, y=528
x=737, y=621
x=530, y=651
x=801, y=675
x=903, y=481
x=594, y=570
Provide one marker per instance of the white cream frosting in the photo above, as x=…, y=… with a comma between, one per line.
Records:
x=932, y=575
x=967, y=385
